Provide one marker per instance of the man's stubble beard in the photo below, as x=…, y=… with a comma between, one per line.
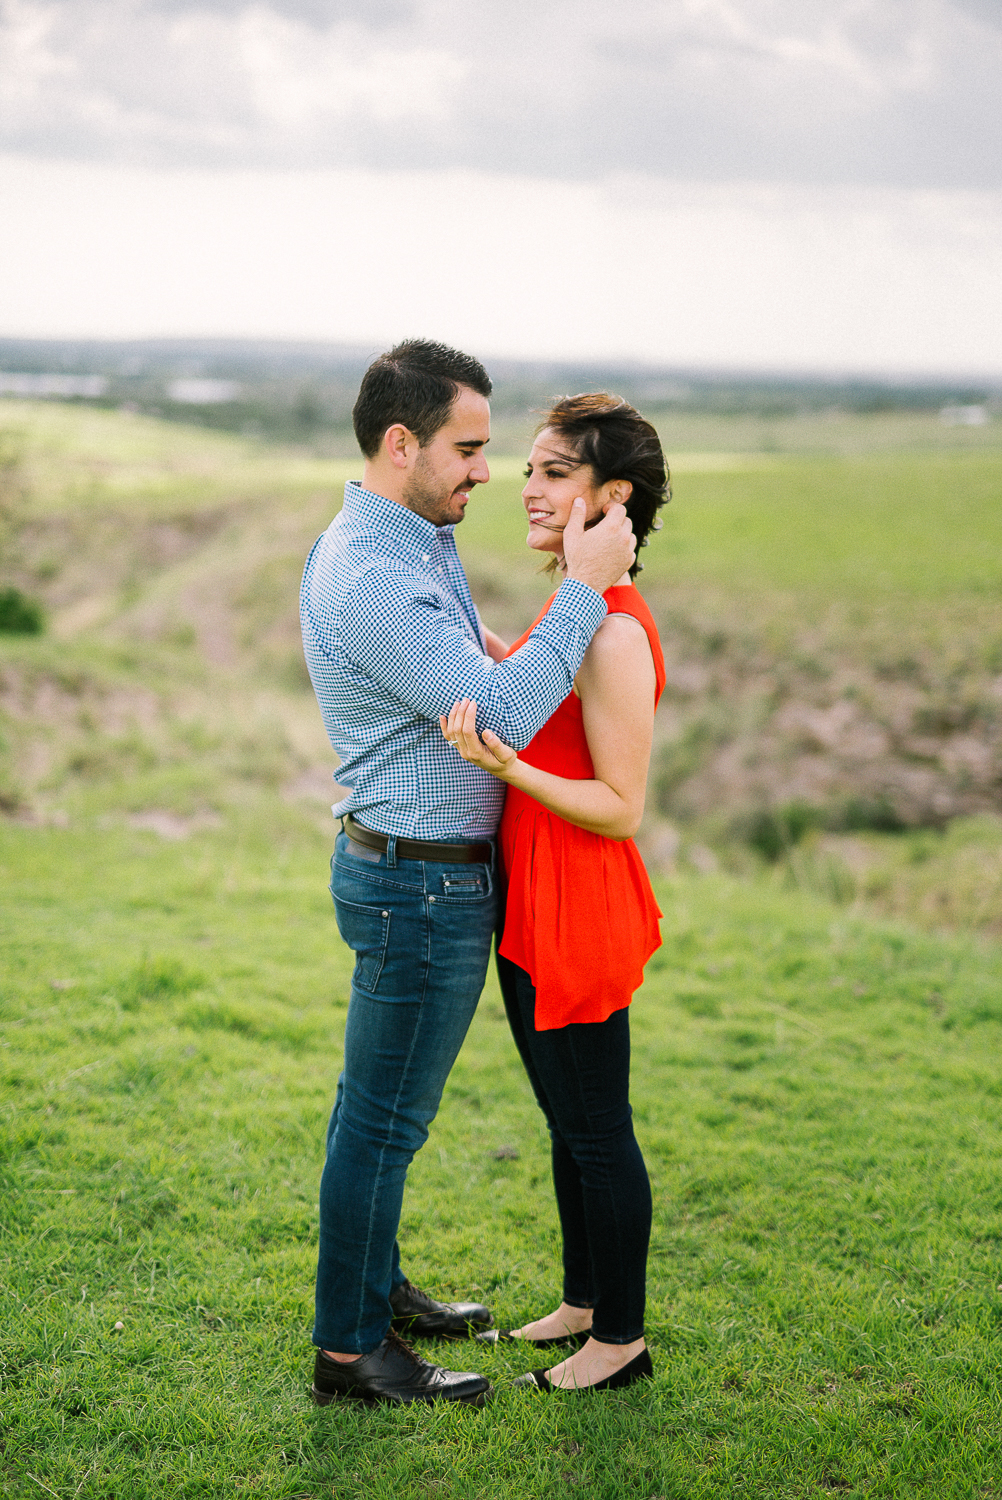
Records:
x=423, y=494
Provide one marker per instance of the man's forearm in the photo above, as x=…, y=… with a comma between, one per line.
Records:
x=524, y=690
x=420, y=657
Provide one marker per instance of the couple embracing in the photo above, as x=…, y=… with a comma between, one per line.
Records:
x=491, y=788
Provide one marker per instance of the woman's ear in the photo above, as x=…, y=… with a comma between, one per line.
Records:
x=616, y=492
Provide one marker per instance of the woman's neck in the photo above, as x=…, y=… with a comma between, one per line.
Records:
x=621, y=583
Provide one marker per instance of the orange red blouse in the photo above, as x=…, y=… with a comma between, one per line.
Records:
x=580, y=914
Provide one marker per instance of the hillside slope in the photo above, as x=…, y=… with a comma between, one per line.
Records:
x=831, y=625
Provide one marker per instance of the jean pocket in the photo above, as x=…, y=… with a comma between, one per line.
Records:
x=471, y=884
x=366, y=930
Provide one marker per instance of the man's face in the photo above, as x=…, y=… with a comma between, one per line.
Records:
x=445, y=471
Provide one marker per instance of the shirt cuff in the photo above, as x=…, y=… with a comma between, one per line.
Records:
x=576, y=599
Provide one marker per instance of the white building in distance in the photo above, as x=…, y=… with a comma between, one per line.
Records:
x=45, y=387
x=202, y=392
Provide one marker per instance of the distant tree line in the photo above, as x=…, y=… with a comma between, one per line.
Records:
x=298, y=391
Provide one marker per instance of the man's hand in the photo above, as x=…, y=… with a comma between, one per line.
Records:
x=600, y=556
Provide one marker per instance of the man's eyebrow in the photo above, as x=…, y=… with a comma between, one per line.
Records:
x=471, y=442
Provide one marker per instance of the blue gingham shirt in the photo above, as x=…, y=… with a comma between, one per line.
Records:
x=392, y=638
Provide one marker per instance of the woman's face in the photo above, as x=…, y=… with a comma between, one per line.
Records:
x=554, y=479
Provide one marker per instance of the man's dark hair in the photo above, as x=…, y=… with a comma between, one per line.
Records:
x=416, y=384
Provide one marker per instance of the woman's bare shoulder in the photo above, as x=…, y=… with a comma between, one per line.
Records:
x=619, y=646
x=614, y=619
x=619, y=633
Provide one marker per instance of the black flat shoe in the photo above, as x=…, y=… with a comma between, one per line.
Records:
x=639, y=1368
x=418, y=1316
x=393, y=1373
x=506, y=1336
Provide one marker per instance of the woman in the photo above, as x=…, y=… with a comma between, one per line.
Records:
x=581, y=919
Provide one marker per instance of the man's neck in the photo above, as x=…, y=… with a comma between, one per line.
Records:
x=381, y=479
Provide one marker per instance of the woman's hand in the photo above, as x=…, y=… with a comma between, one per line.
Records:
x=490, y=753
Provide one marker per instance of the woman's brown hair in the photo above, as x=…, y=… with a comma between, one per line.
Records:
x=612, y=437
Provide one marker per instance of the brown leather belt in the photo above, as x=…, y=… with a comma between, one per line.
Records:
x=449, y=854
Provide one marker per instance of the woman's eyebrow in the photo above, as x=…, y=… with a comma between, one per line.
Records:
x=562, y=458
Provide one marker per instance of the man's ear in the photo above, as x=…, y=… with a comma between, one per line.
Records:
x=400, y=445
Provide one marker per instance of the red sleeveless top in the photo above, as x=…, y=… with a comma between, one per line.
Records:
x=580, y=915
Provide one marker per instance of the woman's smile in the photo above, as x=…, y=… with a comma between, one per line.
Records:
x=555, y=477
x=539, y=517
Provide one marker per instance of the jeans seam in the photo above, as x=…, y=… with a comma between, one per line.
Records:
x=387, y=1144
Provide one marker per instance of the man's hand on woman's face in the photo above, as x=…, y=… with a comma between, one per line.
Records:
x=600, y=555
x=490, y=753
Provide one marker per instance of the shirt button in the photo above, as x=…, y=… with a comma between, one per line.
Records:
x=426, y=557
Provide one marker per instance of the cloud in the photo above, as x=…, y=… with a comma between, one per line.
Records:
x=755, y=277
x=229, y=83
x=839, y=91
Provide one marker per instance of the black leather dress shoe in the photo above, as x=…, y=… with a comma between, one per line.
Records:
x=563, y=1341
x=418, y=1316
x=395, y=1374
x=639, y=1368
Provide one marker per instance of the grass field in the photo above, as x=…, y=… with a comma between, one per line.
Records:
x=817, y=1097
x=867, y=529
x=817, y=1069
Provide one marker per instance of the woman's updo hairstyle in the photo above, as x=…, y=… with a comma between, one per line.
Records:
x=609, y=434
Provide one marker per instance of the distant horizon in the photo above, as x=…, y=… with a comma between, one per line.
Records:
x=756, y=189
x=353, y=351
x=738, y=277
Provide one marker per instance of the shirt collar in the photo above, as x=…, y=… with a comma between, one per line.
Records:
x=392, y=520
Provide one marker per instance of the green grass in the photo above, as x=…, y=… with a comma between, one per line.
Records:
x=865, y=529
x=816, y=1088
x=80, y=459
x=817, y=1096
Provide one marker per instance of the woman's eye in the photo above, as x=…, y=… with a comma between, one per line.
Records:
x=527, y=473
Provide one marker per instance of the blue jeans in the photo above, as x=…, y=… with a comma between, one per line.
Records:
x=421, y=932
x=580, y=1075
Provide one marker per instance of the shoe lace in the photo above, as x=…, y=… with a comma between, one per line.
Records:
x=420, y=1295
x=402, y=1347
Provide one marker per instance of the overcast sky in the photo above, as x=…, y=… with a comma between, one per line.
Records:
x=781, y=183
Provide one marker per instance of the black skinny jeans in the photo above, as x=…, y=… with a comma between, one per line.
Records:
x=580, y=1076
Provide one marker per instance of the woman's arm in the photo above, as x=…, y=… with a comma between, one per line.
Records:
x=497, y=649
x=616, y=684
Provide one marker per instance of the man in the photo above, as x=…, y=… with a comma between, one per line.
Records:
x=392, y=639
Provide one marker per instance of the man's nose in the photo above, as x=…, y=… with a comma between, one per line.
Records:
x=479, y=472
